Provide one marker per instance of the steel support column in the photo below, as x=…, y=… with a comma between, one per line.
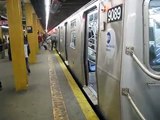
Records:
x=14, y=14
x=35, y=26
x=31, y=35
x=0, y=32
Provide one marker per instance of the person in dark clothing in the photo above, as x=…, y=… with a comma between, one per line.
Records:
x=152, y=55
x=2, y=48
x=91, y=33
x=27, y=53
x=0, y=85
x=53, y=41
x=9, y=51
x=1, y=45
x=40, y=39
x=44, y=42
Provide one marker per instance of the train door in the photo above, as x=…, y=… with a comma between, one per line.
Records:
x=66, y=59
x=58, y=42
x=91, y=50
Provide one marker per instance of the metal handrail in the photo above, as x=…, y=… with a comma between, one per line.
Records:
x=130, y=50
x=125, y=91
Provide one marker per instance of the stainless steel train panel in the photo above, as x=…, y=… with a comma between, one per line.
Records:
x=75, y=43
x=62, y=41
x=58, y=39
x=122, y=26
x=65, y=37
x=144, y=96
x=75, y=46
x=109, y=58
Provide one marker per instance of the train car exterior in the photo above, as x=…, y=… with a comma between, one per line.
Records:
x=109, y=58
x=71, y=42
x=141, y=82
x=112, y=47
x=58, y=38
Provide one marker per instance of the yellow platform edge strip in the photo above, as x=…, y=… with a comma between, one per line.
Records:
x=85, y=106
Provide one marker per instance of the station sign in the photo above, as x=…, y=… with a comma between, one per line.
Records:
x=29, y=29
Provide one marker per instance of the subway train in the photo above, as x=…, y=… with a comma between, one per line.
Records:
x=112, y=47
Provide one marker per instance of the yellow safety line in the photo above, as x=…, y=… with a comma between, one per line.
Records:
x=85, y=106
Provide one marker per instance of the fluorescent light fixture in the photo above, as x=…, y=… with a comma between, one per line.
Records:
x=4, y=17
x=5, y=27
x=47, y=8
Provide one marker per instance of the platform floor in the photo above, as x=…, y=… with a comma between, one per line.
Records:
x=49, y=95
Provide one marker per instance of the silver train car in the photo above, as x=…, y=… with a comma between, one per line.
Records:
x=113, y=49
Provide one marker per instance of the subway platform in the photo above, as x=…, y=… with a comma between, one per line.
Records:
x=52, y=93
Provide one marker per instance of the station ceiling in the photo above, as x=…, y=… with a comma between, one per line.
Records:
x=59, y=10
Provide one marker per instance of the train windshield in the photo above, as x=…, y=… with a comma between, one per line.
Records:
x=154, y=34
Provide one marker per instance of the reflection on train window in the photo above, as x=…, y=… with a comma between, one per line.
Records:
x=90, y=33
x=73, y=24
x=91, y=17
x=92, y=38
x=73, y=39
x=95, y=16
x=91, y=55
x=154, y=34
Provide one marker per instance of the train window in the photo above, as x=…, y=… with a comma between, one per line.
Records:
x=92, y=28
x=73, y=24
x=73, y=34
x=73, y=39
x=154, y=34
x=90, y=17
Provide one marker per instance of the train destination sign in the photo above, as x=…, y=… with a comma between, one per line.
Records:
x=114, y=14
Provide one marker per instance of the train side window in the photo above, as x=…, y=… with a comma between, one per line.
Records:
x=73, y=39
x=73, y=34
x=154, y=34
x=73, y=24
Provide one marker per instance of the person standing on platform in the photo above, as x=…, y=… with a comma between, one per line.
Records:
x=9, y=50
x=27, y=52
x=40, y=39
x=53, y=41
x=0, y=85
x=1, y=45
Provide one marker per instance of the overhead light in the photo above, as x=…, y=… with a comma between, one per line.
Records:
x=4, y=17
x=47, y=7
x=5, y=27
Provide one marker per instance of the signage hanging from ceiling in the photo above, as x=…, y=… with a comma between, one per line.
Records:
x=29, y=29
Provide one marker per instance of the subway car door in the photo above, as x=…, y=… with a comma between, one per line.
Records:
x=66, y=54
x=109, y=58
x=91, y=49
x=58, y=41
